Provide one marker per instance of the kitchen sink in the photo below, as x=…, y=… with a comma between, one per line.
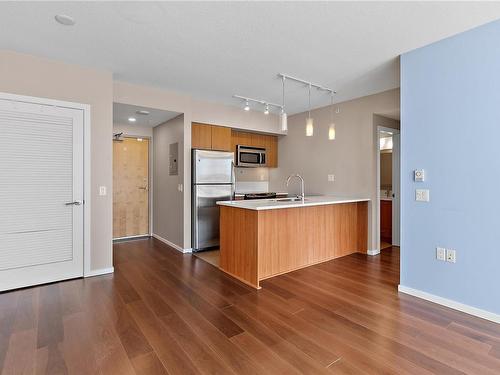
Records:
x=297, y=199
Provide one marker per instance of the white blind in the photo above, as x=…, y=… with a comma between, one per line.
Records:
x=36, y=177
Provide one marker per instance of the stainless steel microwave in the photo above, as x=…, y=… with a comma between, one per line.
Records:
x=250, y=156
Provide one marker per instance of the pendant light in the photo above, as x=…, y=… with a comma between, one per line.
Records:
x=283, y=116
x=331, y=129
x=309, y=121
x=247, y=106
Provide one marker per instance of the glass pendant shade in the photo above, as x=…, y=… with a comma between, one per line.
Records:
x=309, y=127
x=331, y=132
x=283, y=122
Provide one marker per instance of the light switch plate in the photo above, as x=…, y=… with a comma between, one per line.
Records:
x=451, y=256
x=419, y=175
x=102, y=190
x=422, y=195
x=441, y=253
x=331, y=178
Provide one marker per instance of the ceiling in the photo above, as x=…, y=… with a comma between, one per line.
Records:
x=394, y=114
x=212, y=50
x=122, y=112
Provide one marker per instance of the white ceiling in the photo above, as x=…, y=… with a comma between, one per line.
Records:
x=213, y=50
x=394, y=114
x=122, y=112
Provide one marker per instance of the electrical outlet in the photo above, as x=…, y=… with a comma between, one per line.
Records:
x=331, y=178
x=102, y=190
x=451, y=256
x=422, y=195
x=441, y=253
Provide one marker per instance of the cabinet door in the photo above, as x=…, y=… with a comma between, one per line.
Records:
x=201, y=136
x=221, y=138
x=386, y=221
x=272, y=151
x=258, y=140
x=240, y=138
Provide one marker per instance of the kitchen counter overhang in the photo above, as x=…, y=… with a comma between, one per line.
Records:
x=265, y=238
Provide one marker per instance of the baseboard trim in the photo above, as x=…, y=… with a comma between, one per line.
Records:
x=373, y=252
x=451, y=304
x=171, y=244
x=99, y=272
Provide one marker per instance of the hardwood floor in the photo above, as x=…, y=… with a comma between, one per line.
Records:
x=163, y=312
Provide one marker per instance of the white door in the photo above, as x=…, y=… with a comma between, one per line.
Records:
x=41, y=194
x=396, y=161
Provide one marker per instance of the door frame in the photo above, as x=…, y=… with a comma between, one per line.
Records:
x=377, y=203
x=150, y=182
x=86, y=165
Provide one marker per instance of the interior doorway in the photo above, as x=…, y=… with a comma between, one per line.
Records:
x=131, y=184
x=133, y=178
x=388, y=186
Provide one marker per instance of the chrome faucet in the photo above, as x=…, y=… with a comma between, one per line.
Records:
x=301, y=184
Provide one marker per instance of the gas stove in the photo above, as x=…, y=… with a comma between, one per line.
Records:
x=259, y=196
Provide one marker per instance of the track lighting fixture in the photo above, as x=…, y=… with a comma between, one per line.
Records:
x=267, y=105
x=309, y=120
x=331, y=129
x=266, y=111
x=283, y=116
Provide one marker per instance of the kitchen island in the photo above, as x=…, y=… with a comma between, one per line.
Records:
x=260, y=239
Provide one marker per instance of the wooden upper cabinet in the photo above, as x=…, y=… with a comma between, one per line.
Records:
x=242, y=138
x=221, y=138
x=269, y=142
x=210, y=137
x=201, y=136
x=272, y=151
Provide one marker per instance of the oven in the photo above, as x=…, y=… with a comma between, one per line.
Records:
x=250, y=156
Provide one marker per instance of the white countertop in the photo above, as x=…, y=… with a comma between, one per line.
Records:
x=272, y=204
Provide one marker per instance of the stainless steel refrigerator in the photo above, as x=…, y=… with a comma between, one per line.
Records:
x=212, y=181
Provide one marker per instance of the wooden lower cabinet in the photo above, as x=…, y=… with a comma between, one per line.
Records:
x=386, y=221
x=256, y=245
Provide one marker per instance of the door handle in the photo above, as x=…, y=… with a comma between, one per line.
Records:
x=143, y=188
x=75, y=203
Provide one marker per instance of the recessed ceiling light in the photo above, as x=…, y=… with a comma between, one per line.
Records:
x=132, y=119
x=65, y=20
x=142, y=112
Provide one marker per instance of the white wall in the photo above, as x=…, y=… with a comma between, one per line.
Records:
x=34, y=76
x=168, y=207
x=351, y=157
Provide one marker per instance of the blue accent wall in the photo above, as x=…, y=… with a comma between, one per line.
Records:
x=450, y=127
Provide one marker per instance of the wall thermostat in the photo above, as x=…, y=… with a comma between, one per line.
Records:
x=419, y=175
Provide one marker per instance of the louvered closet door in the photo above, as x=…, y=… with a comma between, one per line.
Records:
x=41, y=174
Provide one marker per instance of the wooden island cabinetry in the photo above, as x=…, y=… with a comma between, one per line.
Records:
x=257, y=243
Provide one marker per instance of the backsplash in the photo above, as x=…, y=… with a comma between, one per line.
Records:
x=252, y=180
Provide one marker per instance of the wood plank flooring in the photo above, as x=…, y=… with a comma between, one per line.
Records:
x=163, y=312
